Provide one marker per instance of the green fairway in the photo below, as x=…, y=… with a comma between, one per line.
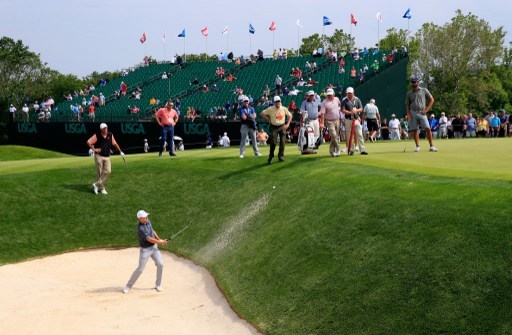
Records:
x=390, y=243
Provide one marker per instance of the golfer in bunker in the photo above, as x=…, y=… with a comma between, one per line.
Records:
x=148, y=241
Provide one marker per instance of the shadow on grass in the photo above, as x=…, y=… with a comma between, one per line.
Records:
x=82, y=188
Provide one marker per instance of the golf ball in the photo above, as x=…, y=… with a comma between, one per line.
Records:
x=274, y=186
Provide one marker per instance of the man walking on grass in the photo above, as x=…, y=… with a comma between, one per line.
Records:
x=417, y=109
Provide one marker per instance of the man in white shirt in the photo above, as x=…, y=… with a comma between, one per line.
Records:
x=394, y=127
x=443, y=126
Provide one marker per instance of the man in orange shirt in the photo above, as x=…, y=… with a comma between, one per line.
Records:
x=167, y=118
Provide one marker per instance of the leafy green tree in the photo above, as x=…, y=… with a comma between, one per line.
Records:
x=21, y=73
x=394, y=38
x=340, y=41
x=310, y=43
x=446, y=55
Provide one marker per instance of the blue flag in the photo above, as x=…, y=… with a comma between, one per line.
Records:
x=182, y=33
x=251, y=29
x=407, y=14
x=327, y=21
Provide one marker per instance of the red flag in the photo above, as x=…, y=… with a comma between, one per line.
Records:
x=272, y=26
x=353, y=20
x=143, y=38
x=204, y=31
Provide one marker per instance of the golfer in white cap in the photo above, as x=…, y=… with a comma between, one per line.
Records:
x=101, y=144
x=352, y=107
x=148, y=241
x=330, y=108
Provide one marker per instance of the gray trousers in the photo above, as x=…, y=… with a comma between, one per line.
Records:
x=144, y=255
x=245, y=131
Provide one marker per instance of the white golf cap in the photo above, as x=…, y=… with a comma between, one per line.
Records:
x=103, y=125
x=277, y=98
x=142, y=214
x=311, y=93
x=330, y=91
x=350, y=90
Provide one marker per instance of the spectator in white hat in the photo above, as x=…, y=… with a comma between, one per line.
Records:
x=351, y=106
x=279, y=118
x=330, y=109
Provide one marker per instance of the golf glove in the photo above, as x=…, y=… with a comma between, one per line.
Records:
x=122, y=154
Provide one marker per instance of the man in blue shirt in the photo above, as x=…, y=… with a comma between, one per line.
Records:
x=247, y=127
x=434, y=124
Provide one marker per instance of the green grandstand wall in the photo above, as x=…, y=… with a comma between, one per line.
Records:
x=388, y=89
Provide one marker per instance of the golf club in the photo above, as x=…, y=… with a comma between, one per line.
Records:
x=182, y=229
x=405, y=147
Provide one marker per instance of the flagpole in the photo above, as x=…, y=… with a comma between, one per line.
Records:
x=206, y=53
x=250, y=44
x=184, y=52
x=273, y=45
x=298, y=43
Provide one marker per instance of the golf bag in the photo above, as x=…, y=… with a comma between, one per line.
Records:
x=306, y=139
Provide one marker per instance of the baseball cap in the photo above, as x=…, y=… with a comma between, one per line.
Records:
x=350, y=90
x=442, y=113
x=142, y=214
x=432, y=115
x=277, y=98
x=414, y=78
x=103, y=126
x=330, y=91
x=393, y=115
x=246, y=98
x=311, y=92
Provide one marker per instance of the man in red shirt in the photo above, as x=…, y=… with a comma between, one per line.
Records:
x=167, y=119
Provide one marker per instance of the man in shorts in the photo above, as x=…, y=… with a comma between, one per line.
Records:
x=417, y=109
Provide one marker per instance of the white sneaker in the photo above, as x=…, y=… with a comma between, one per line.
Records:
x=126, y=289
x=95, y=188
x=103, y=191
x=343, y=150
x=158, y=288
x=337, y=154
x=417, y=149
x=257, y=154
x=241, y=156
x=357, y=149
x=433, y=149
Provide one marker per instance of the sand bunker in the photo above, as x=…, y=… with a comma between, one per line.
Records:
x=81, y=293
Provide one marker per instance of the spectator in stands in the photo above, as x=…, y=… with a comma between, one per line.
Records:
x=286, y=91
x=177, y=103
x=230, y=77
x=278, y=82
x=443, y=126
x=260, y=54
x=225, y=141
x=457, y=126
x=92, y=114
x=470, y=126
x=434, y=125
x=301, y=83
x=494, y=125
x=311, y=82
x=191, y=114
x=164, y=75
x=135, y=112
x=215, y=88
x=123, y=88
x=103, y=82
x=266, y=91
x=503, y=123
x=205, y=89
x=275, y=54
x=152, y=101
x=74, y=110
x=262, y=137
x=353, y=72
x=482, y=127
x=36, y=107
x=25, y=111
x=195, y=81
x=375, y=66
x=294, y=91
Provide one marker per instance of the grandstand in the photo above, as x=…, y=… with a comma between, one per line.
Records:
x=251, y=76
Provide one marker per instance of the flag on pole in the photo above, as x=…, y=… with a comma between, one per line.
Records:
x=251, y=29
x=272, y=26
x=379, y=16
x=143, y=38
x=204, y=31
x=407, y=14
x=225, y=31
x=182, y=33
x=353, y=20
x=299, y=24
x=164, y=37
x=327, y=21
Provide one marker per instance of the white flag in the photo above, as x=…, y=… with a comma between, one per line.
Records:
x=379, y=16
x=225, y=31
x=299, y=24
x=164, y=37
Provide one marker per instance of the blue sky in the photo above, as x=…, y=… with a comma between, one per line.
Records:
x=81, y=36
